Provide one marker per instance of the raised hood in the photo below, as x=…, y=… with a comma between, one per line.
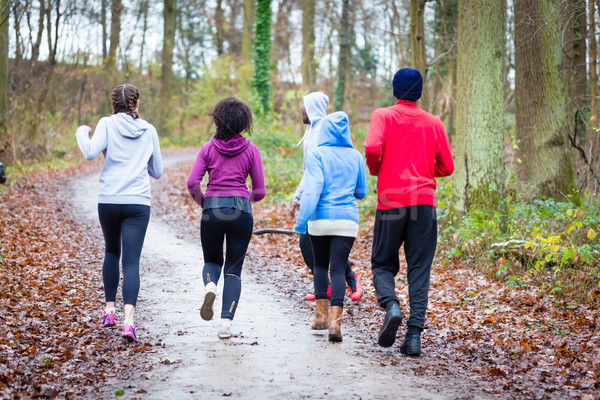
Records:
x=315, y=104
x=128, y=126
x=335, y=131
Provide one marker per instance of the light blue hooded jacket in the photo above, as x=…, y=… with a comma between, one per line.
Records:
x=131, y=154
x=335, y=175
x=315, y=104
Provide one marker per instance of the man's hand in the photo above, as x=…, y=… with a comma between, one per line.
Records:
x=294, y=207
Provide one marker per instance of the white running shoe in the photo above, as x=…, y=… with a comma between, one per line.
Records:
x=206, y=311
x=225, y=329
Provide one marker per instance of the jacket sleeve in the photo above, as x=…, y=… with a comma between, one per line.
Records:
x=257, y=176
x=91, y=148
x=194, y=182
x=444, y=165
x=361, y=182
x=155, y=166
x=313, y=188
x=373, y=143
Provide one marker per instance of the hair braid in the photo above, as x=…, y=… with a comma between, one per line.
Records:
x=124, y=99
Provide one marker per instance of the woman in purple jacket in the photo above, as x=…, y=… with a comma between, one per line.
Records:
x=229, y=158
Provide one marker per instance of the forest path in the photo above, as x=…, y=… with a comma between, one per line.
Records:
x=273, y=353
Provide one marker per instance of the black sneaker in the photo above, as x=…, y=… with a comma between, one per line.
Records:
x=393, y=319
x=411, y=345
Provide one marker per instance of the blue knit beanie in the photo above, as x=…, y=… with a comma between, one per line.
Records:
x=408, y=84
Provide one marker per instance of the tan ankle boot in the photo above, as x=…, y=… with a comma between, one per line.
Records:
x=321, y=314
x=335, y=324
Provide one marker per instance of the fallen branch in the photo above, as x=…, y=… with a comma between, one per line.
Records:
x=280, y=231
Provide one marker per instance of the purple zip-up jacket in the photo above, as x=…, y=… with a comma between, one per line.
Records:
x=228, y=164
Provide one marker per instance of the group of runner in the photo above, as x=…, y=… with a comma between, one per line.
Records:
x=405, y=147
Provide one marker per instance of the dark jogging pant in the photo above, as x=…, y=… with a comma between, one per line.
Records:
x=415, y=227
x=124, y=228
x=234, y=227
x=331, y=255
x=307, y=254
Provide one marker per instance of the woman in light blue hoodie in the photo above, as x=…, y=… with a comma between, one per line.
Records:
x=335, y=179
x=131, y=154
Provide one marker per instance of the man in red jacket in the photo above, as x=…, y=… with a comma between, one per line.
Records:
x=406, y=148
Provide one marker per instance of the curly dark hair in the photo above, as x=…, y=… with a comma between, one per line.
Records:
x=232, y=117
x=124, y=98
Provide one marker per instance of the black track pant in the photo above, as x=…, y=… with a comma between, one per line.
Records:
x=234, y=227
x=309, y=260
x=331, y=252
x=415, y=227
x=124, y=228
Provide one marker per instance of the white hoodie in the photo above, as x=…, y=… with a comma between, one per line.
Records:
x=315, y=104
x=131, y=153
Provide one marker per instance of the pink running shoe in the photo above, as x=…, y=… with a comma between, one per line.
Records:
x=129, y=333
x=109, y=319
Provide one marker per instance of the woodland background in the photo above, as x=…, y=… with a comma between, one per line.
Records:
x=515, y=83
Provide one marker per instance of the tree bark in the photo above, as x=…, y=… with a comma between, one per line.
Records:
x=4, y=15
x=219, y=27
x=309, y=68
x=247, y=30
x=115, y=34
x=479, y=155
x=417, y=45
x=546, y=168
x=344, y=57
x=144, y=31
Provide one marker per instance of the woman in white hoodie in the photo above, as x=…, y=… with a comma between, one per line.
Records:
x=131, y=154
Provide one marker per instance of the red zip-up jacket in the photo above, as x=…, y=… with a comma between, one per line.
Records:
x=406, y=148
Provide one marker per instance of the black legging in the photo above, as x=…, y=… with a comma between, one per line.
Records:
x=123, y=225
x=235, y=228
x=309, y=260
x=331, y=251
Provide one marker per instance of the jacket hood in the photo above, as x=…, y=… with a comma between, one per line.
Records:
x=315, y=104
x=128, y=126
x=231, y=147
x=335, y=131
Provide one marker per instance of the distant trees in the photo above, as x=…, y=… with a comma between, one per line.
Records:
x=309, y=68
x=344, y=56
x=417, y=46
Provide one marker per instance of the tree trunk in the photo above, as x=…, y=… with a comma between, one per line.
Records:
x=144, y=31
x=103, y=7
x=546, y=168
x=574, y=62
x=35, y=49
x=247, y=30
x=219, y=27
x=261, y=82
x=593, y=136
x=479, y=155
x=417, y=45
x=233, y=35
x=281, y=41
x=344, y=57
x=52, y=44
x=166, y=77
x=115, y=34
x=4, y=15
x=309, y=68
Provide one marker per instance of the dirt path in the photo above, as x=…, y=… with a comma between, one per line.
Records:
x=273, y=353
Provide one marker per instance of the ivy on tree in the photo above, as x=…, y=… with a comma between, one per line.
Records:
x=262, y=56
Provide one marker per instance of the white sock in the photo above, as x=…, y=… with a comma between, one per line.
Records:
x=128, y=322
x=109, y=310
x=210, y=287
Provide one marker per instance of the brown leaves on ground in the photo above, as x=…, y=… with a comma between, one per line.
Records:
x=510, y=342
x=51, y=298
